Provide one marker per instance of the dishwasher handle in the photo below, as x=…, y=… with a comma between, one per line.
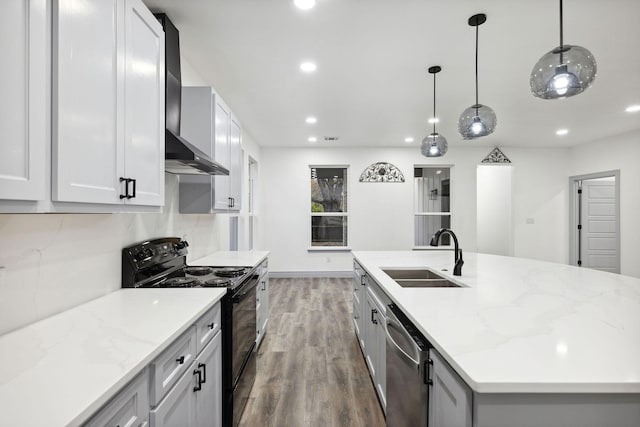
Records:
x=393, y=324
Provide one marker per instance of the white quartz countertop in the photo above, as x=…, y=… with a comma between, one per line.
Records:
x=523, y=326
x=59, y=371
x=232, y=259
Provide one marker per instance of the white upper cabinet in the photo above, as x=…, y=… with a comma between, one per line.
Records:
x=24, y=42
x=108, y=103
x=235, y=164
x=144, y=104
x=209, y=124
x=222, y=119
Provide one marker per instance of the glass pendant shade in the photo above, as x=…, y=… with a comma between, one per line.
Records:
x=476, y=121
x=563, y=72
x=434, y=145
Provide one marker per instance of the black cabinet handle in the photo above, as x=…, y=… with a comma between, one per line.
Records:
x=264, y=285
x=210, y=325
x=180, y=360
x=373, y=313
x=198, y=387
x=126, y=188
x=204, y=372
x=134, y=189
x=229, y=201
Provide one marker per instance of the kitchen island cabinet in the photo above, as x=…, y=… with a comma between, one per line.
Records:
x=519, y=335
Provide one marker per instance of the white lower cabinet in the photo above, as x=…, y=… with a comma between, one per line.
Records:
x=130, y=407
x=196, y=400
x=450, y=399
x=375, y=344
x=262, y=303
x=359, y=294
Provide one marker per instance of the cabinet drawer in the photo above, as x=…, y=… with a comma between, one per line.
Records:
x=167, y=368
x=130, y=407
x=207, y=326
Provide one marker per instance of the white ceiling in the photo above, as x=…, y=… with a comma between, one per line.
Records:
x=371, y=87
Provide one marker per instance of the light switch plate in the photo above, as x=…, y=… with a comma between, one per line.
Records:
x=531, y=221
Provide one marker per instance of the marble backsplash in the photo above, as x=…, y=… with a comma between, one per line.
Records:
x=52, y=262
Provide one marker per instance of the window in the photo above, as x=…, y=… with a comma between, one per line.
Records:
x=432, y=203
x=328, y=206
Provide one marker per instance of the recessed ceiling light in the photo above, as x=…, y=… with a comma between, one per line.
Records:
x=408, y=139
x=633, y=108
x=304, y=4
x=561, y=132
x=308, y=67
x=434, y=120
x=311, y=120
x=312, y=139
x=438, y=172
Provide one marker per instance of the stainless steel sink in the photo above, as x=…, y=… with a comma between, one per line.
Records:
x=419, y=278
x=427, y=283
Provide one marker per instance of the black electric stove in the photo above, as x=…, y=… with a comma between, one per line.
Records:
x=161, y=263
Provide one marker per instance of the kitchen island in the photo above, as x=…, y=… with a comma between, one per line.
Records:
x=521, y=331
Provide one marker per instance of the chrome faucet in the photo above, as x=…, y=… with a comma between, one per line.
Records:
x=457, y=269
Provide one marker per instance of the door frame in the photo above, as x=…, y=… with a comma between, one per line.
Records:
x=573, y=210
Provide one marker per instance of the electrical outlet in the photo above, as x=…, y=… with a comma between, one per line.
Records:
x=531, y=221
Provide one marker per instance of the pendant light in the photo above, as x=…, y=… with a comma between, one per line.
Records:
x=434, y=144
x=564, y=71
x=477, y=120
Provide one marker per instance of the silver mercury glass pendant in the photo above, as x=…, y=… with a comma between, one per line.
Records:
x=434, y=144
x=564, y=71
x=478, y=120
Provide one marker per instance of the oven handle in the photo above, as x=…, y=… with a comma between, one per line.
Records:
x=244, y=290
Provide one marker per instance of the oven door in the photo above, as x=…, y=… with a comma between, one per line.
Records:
x=243, y=333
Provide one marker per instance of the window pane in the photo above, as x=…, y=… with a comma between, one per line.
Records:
x=427, y=225
x=432, y=189
x=328, y=230
x=328, y=190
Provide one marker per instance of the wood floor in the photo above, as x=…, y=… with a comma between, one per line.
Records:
x=310, y=369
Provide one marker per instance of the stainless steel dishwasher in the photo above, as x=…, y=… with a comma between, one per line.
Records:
x=407, y=372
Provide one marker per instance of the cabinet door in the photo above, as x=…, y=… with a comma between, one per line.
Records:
x=381, y=359
x=86, y=130
x=221, y=155
x=144, y=104
x=23, y=112
x=265, y=302
x=178, y=409
x=449, y=397
x=209, y=398
x=130, y=407
x=370, y=336
x=235, y=165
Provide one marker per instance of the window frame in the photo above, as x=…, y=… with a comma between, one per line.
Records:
x=450, y=214
x=347, y=183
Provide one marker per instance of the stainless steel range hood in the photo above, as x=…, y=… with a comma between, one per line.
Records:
x=181, y=156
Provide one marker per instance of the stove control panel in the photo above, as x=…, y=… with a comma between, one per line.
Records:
x=146, y=259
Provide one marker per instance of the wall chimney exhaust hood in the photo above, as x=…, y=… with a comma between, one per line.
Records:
x=181, y=157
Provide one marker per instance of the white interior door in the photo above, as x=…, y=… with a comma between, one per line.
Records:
x=599, y=240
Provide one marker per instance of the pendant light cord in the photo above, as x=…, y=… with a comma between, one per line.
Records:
x=477, y=68
x=434, y=103
x=561, y=35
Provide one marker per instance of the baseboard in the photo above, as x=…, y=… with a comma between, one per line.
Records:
x=309, y=274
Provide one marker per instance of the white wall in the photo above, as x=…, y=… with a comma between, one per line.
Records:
x=494, y=209
x=53, y=262
x=381, y=214
x=621, y=152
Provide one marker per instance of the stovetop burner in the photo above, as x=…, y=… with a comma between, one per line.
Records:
x=217, y=282
x=229, y=271
x=198, y=271
x=179, y=282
